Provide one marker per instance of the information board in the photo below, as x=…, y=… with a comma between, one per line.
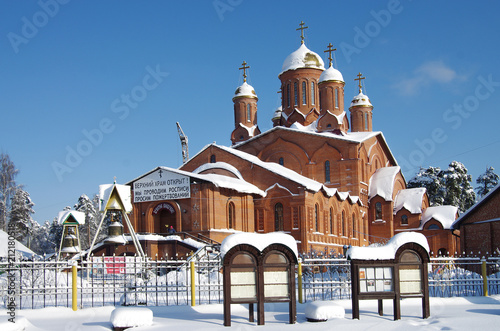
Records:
x=162, y=185
x=410, y=281
x=243, y=285
x=276, y=284
x=375, y=279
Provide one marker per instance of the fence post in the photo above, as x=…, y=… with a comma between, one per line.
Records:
x=485, y=277
x=74, y=293
x=193, y=288
x=299, y=279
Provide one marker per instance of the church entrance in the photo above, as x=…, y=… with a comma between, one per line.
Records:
x=164, y=216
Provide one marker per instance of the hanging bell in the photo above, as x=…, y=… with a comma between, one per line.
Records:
x=115, y=234
x=70, y=244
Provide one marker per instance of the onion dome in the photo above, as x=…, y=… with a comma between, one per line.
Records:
x=277, y=113
x=361, y=100
x=245, y=91
x=302, y=58
x=331, y=74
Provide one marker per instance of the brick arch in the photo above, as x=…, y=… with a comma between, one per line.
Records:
x=295, y=156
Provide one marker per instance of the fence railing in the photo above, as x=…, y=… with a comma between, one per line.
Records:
x=122, y=280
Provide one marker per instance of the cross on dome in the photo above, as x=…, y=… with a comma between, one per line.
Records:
x=244, y=67
x=359, y=81
x=329, y=51
x=302, y=28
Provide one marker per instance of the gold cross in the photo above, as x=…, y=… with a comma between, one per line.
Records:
x=329, y=51
x=245, y=67
x=302, y=28
x=359, y=81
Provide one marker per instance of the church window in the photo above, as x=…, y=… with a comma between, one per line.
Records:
x=278, y=217
x=296, y=93
x=312, y=93
x=378, y=211
x=248, y=112
x=433, y=227
x=212, y=158
x=304, y=97
x=327, y=171
x=281, y=161
x=342, y=224
x=316, y=218
x=404, y=220
x=336, y=98
x=353, y=226
x=230, y=215
x=366, y=121
x=288, y=95
x=331, y=220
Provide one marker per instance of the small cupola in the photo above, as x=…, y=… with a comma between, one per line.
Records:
x=361, y=110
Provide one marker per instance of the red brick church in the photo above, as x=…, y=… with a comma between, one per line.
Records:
x=321, y=174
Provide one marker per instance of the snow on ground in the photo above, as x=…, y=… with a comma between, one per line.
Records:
x=463, y=313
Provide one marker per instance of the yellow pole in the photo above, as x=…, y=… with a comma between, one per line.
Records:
x=74, y=295
x=299, y=278
x=485, y=277
x=193, y=289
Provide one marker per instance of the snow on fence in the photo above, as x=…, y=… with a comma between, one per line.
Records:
x=124, y=280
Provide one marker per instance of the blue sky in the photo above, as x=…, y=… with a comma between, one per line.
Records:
x=92, y=89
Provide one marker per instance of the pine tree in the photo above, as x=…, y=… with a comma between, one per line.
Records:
x=20, y=215
x=8, y=173
x=429, y=178
x=459, y=191
x=92, y=218
x=487, y=181
x=451, y=186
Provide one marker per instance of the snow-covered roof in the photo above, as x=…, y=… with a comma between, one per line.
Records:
x=19, y=250
x=277, y=112
x=387, y=251
x=302, y=58
x=361, y=100
x=259, y=241
x=479, y=203
x=245, y=90
x=278, y=169
x=219, y=165
x=331, y=74
x=340, y=118
x=443, y=214
x=411, y=199
x=124, y=194
x=78, y=216
x=382, y=182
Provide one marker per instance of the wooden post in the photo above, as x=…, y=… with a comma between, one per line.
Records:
x=380, y=307
x=485, y=277
x=250, y=313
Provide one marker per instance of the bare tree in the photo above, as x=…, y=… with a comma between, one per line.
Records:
x=8, y=173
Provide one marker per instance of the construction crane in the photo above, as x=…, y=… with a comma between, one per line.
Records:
x=184, y=143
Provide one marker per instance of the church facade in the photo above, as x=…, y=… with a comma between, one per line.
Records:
x=321, y=174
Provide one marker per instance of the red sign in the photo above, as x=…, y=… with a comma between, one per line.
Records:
x=115, y=264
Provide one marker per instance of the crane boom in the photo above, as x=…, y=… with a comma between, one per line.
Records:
x=184, y=143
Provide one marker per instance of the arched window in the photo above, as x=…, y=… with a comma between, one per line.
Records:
x=366, y=121
x=353, y=226
x=230, y=215
x=342, y=224
x=336, y=98
x=327, y=171
x=316, y=218
x=404, y=220
x=378, y=211
x=288, y=95
x=296, y=93
x=312, y=93
x=281, y=161
x=248, y=112
x=304, y=97
x=433, y=227
x=331, y=220
x=278, y=217
x=212, y=158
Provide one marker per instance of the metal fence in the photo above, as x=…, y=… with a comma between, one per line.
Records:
x=124, y=280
